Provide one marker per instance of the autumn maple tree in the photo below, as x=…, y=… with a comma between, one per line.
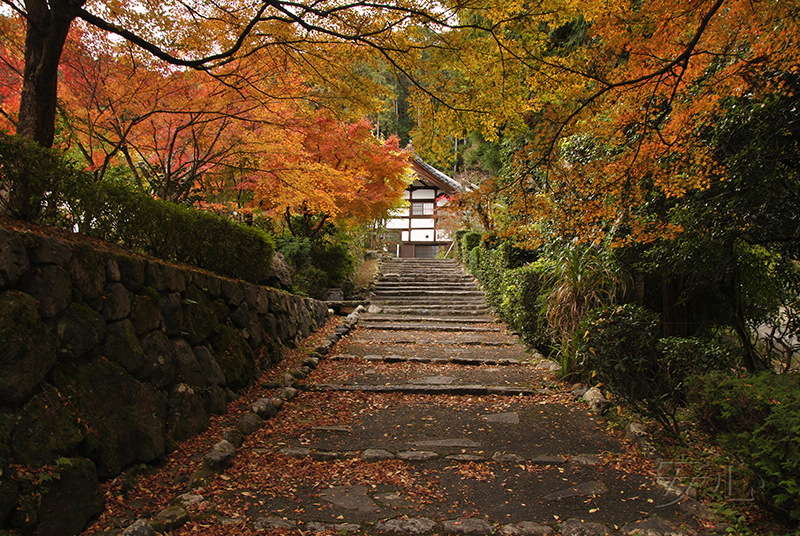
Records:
x=607, y=104
x=203, y=36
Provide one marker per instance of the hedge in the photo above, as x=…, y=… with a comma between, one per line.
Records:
x=64, y=197
x=174, y=232
x=514, y=293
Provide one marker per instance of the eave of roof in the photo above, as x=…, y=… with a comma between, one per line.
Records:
x=449, y=185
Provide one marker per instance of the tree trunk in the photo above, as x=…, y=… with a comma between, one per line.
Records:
x=47, y=29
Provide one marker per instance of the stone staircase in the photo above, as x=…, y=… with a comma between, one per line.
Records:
x=427, y=295
x=430, y=311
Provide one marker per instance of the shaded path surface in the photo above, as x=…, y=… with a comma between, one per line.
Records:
x=430, y=418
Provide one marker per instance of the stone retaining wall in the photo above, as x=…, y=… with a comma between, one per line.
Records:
x=107, y=359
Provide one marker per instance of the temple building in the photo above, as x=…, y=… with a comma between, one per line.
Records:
x=417, y=227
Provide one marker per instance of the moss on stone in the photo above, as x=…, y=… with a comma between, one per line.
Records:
x=87, y=271
x=62, y=503
x=8, y=485
x=200, y=319
x=124, y=419
x=46, y=430
x=234, y=356
x=80, y=328
x=131, y=271
x=29, y=347
x=146, y=310
x=123, y=347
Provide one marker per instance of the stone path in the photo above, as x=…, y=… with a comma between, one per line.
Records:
x=430, y=418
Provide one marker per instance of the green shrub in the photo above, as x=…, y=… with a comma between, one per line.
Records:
x=516, y=257
x=515, y=294
x=31, y=178
x=469, y=241
x=320, y=264
x=45, y=187
x=620, y=346
x=757, y=418
x=457, y=242
x=520, y=304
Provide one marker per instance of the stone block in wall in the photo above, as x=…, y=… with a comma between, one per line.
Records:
x=270, y=326
x=257, y=298
x=123, y=347
x=304, y=321
x=8, y=495
x=131, y=272
x=45, y=430
x=146, y=310
x=115, y=304
x=160, y=368
x=87, y=273
x=64, y=504
x=209, y=365
x=175, y=277
x=199, y=317
x=132, y=432
x=29, y=347
x=172, y=313
x=79, y=329
x=8, y=481
x=49, y=250
x=112, y=270
x=189, y=369
x=50, y=285
x=254, y=332
x=234, y=356
x=186, y=412
x=240, y=316
x=282, y=329
x=277, y=302
x=209, y=283
x=213, y=391
x=232, y=292
x=165, y=277
x=13, y=258
x=216, y=400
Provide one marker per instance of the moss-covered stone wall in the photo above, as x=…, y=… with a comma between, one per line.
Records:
x=108, y=358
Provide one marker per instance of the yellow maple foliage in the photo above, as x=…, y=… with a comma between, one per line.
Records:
x=614, y=118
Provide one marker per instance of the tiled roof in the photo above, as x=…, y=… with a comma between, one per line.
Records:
x=451, y=184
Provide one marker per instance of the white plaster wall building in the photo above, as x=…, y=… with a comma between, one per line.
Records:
x=417, y=227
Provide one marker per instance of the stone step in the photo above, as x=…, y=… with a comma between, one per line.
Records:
x=404, y=306
x=455, y=360
x=451, y=339
x=426, y=326
x=426, y=283
x=422, y=300
x=425, y=279
x=451, y=311
x=432, y=292
x=468, y=390
x=464, y=319
x=416, y=270
x=395, y=261
x=428, y=290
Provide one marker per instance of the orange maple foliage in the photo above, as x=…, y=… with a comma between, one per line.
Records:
x=262, y=129
x=332, y=168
